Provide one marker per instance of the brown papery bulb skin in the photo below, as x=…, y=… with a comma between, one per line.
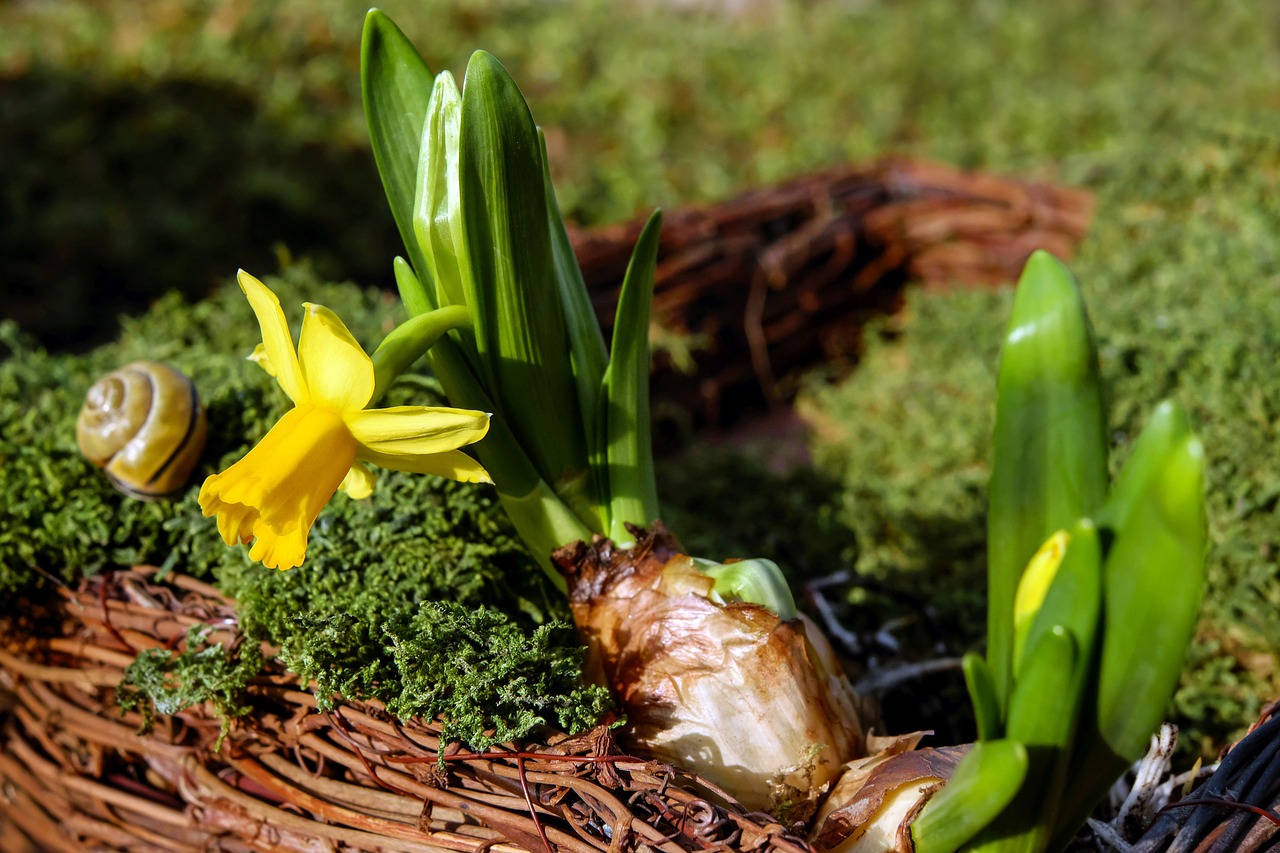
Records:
x=756, y=705
x=145, y=427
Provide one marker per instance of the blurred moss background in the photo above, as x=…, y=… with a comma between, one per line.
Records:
x=153, y=146
x=149, y=147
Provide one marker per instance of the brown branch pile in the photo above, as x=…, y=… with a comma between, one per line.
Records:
x=753, y=290
x=75, y=774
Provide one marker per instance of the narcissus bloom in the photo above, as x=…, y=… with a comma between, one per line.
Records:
x=273, y=495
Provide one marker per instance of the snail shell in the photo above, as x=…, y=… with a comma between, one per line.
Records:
x=144, y=425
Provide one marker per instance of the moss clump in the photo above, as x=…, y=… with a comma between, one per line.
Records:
x=165, y=682
x=486, y=679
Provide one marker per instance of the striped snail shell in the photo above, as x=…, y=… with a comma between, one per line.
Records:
x=144, y=425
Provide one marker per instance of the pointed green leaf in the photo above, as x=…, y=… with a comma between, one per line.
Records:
x=1042, y=716
x=1048, y=700
x=985, y=781
x=982, y=693
x=521, y=340
x=1166, y=428
x=632, y=489
x=1154, y=581
x=1033, y=587
x=1049, y=448
x=586, y=342
x=395, y=85
x=437, y=215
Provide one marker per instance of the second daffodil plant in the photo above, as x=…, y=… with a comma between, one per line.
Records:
x=711, y=663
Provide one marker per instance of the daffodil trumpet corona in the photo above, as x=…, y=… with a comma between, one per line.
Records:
x=273, y=495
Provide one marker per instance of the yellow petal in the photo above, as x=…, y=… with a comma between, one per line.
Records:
x=337, y=370
x=359, y=482
x=275, y=492
x=284, y=549
x=453, y=464
x=416, y=430
x=259, y=357
x=276, y=340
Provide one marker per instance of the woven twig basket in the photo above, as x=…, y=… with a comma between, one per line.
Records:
x=76, y=774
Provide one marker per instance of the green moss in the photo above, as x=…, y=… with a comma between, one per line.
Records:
x=486, y=679
x=163, y=682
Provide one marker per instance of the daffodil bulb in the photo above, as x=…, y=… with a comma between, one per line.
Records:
x=755, y=704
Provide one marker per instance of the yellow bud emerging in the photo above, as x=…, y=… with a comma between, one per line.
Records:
x=1034, y=586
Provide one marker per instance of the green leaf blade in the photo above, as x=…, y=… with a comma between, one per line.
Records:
x=395, y=86
x=1049, y=448
x=1042, y=717
x=586, y=341
x=982, y=693
x=984, y=783
x=631, y=488
x=521, y=340
x=1154, y=581
x=1074, y=599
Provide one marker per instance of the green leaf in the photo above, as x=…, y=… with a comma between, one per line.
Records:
x=437, y=215
x=632, y=488
x=1154, y=581
x=1052, y=686
x=1042, y=716
x=1074, y=599
x=1166, y=429
x=586, y=342
x=985, y=781
x=395, y=85
x=1049, y=457
x=982, y=693
x=1033, y=588
x=520, y=334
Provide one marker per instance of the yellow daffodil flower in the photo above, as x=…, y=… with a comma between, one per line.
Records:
x=273, y=495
